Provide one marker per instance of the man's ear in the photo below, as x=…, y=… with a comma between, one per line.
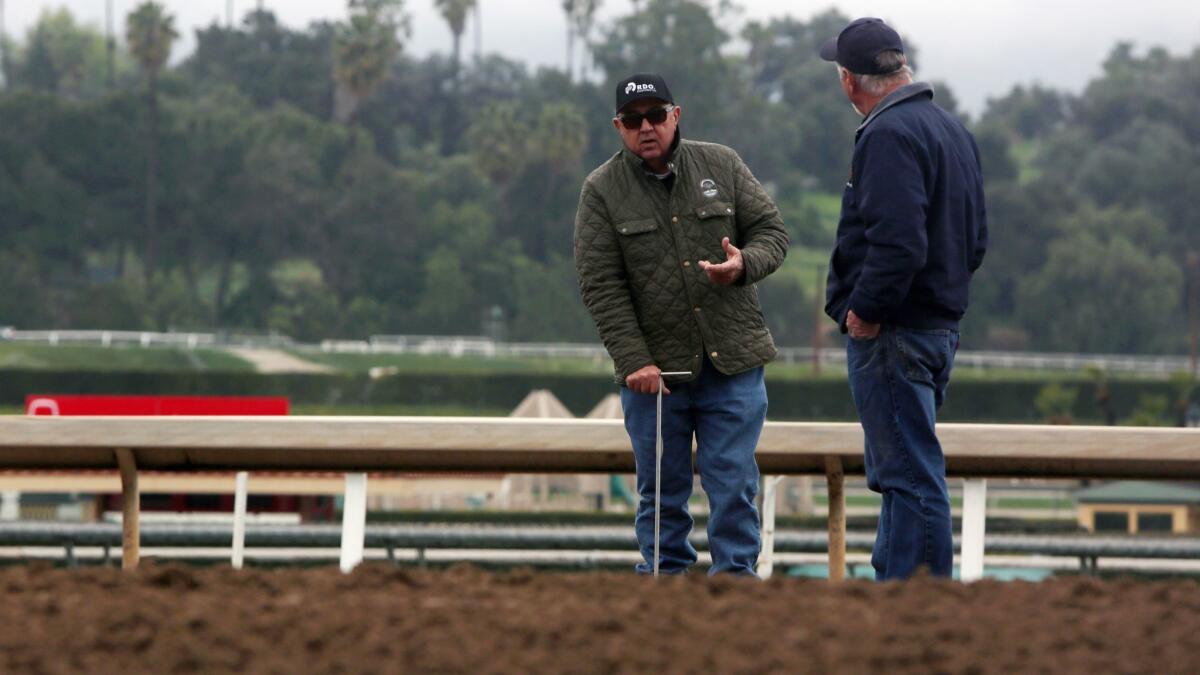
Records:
x=850, y=83
x=677, y=112
x=617, y=124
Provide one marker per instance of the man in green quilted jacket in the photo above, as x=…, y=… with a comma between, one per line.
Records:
x=670, y=239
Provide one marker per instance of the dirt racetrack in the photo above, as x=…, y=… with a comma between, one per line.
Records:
x=177, y=619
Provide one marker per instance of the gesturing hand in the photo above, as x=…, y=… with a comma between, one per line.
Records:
x=731, y=270
x=645, y=381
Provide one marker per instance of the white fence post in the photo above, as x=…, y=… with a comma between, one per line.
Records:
x=239, y=520
x=974, y=518
x=766, y=560
x=354, y=521
x=10, y=505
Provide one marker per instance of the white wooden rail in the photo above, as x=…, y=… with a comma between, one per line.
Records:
x=359, y=444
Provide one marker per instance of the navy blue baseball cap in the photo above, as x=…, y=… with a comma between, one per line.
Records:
x=640, y=86
x=860, y=43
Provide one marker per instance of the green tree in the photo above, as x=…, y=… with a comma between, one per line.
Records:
x=1151, y=411
x=365, y=48
x=561, y=137
x=267, y=62
x=1184, y=385
x=683, y=40
x=455, y=13
x=150, y=32
x=1030, y=113
x=1024, y=219
x=1102, y=296
x=1056, y=403
x=498, y=140
x=365, y=241
x=62, y=57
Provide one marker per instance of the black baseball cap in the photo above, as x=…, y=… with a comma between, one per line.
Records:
x=858, y=45
x=640, y=86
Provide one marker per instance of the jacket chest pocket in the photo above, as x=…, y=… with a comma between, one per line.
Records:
x=716, y=219
x=639, y=240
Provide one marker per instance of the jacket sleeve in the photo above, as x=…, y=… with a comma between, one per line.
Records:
x=604, y=285
x=762, y=237
x=893, y=203
x=981, y=235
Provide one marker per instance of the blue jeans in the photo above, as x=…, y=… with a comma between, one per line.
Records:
x=898, y=381
x=725, y=413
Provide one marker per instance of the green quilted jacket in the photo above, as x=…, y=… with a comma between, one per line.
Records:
x=636, y=251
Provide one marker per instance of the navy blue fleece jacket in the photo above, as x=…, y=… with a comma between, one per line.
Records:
x=914, y=226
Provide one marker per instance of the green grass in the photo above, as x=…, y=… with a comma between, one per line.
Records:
x=829, y=209
x=779, y=370
x=24, y=356
x=1025, y=154
x=414, y=363
x=1036, y=503
x=807, y=267
x=73, y=357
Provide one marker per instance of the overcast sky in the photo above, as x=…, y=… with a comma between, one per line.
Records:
x=981, y=48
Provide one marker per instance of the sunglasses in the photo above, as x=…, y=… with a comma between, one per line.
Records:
x=656, y=116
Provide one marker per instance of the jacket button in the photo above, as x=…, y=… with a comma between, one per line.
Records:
x=687, y=263
x=624, y=230
x=728, y=210
x=696, y=310
x=674, y=219
x=714, y=355
x=703, y=213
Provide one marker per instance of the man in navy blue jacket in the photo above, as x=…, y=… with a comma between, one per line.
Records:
x=913, y=230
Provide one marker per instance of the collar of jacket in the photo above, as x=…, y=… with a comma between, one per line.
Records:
x=639, y=163
x=908, y=91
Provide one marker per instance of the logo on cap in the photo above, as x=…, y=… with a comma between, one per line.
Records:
x=635, y=88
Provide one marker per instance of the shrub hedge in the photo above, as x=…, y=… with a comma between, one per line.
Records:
x=817, y=399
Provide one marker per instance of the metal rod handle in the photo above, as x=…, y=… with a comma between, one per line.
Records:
x=658, y=453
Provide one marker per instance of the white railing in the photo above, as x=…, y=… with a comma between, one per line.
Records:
x=459, y=346
x=124, y=338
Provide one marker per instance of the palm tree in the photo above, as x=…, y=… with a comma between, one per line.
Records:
x=581, y=17
x=364, y=49
x=150, y=31
x=478, y=30
x=110, y=44
x=569, y=9
x=455, y=13
x=3, y=47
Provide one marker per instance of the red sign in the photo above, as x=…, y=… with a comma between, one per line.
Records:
x=76, y=405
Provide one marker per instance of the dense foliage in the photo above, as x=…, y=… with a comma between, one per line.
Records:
x=322, y=183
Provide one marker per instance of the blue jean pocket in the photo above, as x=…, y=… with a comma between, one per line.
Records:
x=863, y=353
x=923, y=353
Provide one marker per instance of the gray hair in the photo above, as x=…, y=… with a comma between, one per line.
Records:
x=896, y=69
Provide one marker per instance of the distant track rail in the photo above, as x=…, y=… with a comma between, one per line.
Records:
x=484, y=347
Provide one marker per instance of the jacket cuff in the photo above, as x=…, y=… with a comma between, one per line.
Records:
x=868, y=311
x=749, y=274
x=628, y=365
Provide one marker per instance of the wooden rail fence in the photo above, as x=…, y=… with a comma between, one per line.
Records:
x=356, y=445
